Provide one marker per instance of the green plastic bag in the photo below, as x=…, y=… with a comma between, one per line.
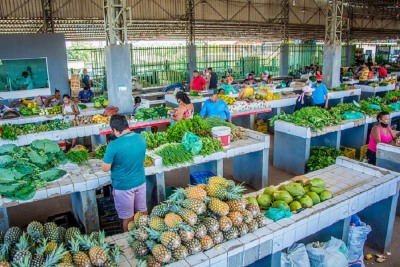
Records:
x=376, y=107
x=276, y=214
x=395, y=106
x=352, y=115
x=228, y=89
x=192, y=143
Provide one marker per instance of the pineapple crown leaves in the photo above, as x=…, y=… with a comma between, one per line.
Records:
x=55, y=256
x=25, y=262
x=85, y=242
x=141, y=262
x=115, y=254
x=41, y=249
x=74, y=243
x=4, y=249
x=150, y=244
x=153, y=234
x=176, y=197
x=23, y=242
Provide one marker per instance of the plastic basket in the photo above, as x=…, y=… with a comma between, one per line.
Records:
x=348, y=152
x=363, y=152
x=200, y=177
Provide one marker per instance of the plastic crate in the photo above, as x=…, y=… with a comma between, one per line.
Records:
x=66, y=220
x=200, y=177
x=348, y=152
x=363, y=152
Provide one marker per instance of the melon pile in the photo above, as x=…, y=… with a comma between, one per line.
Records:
x=193, y=219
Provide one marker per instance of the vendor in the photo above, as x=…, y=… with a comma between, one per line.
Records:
x=397, y=87
x=198, y=82
x=380, y=133
x=250, y=77
x=263, y=77
x=363, y=74
x=229, y=78
x=138, y=105
x=28, y=84
x=320, y=94
x=69, y=111
x=305, y=99
x=382, y=72
x=215, y=107
x=221, y=91
x=86, y=95
x=246, y=91
x=270, y=80
x=54, y=100
x=185, y=109
x=86, y=79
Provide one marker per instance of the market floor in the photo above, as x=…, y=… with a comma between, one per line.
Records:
x=40, y=211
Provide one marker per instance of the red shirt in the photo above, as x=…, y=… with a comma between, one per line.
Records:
x=197, y=83
x=383, y=72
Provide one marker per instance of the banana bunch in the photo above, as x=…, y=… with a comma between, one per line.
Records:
x=100, y=119
x=229, y=100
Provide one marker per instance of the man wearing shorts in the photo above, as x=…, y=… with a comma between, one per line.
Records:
x=125, y=158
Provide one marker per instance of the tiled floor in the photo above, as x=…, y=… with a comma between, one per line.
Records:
x=22, y=215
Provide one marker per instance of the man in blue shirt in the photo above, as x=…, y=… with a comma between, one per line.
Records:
x=215, y=107
x=320, y=94
x=85, y=96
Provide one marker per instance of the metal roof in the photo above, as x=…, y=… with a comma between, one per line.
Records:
x=371, y=20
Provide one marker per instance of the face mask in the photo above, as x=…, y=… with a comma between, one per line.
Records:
x=384, y=125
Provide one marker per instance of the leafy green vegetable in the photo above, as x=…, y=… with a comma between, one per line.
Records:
x=154, y=140
x=197, y=126
x=8, y=132
x=322, y=157
x=100, y=151
x=8, y=149
x=174, y=154
x=46, y=145
x=210, y=145
x=78, y=156
x=51, y=175
x=216, y=121
x=5, y=160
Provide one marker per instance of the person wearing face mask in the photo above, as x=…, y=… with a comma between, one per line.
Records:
x=380, y=133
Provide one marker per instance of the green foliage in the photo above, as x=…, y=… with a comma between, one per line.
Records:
x=196, y=126
x=78, y=156
x=322, y=157
x=154, y=140
x=51, y=175
x=10, y=132
x=151, y=113
x=100, y=151
x=210, y=145
x=216, y=121
x=174, y=154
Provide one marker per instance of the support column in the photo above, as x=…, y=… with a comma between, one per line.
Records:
x=119, y=80
x=284, y=58
x=190, y=40
x=4, y=223
x=331, y=65
x=191, y=61
x=349, y=55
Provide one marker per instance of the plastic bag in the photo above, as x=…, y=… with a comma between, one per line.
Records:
x=352, y=115
x=228, y=89
x=357, y=236
x=296, y=256
x=373, y=106
x=333, y=253
x=276, y=214
x=192, y=143
x=395, y=106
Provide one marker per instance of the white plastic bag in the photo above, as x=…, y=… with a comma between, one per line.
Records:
x=356, y=240
x=333, y=253
x=296, y=256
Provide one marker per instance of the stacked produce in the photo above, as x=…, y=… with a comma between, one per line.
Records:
x=53, y=110
x=144, y=114
x=392, y=97
x=342, y=87
x=374, y=105
x=49, y=245
x=82, y=120
x=11, y=131
x=100, y=101
x=322, y=157
x=293, y=195
x=313, y=117
x=79, y=155
x=29, y=111
x=24, y=169
x=192, y=220
x=100, y=119
x=194, y=93
x=228, y=99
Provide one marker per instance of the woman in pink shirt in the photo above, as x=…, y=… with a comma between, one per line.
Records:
x=380, y=133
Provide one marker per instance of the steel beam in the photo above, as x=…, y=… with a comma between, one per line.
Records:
x=115, y=22
x=47, y=11
x=334, y=22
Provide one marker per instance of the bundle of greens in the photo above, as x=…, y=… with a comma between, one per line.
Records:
x=216, y=121
x=196, y=126
x=10, y=132
x=24, y=169
x=343, y=108
x=100, y=151
x=315, y=118
x=154, y=140
x=174, y=154
x=391, y=97
x=322, y=157
x=78, y=156
x=210, y=145
x=144, y=114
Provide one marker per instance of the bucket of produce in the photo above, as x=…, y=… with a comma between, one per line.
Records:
x=223, y=133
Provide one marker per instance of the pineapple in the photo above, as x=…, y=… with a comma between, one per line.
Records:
x=50, y=231
x=224, y=223
x=38, y=259
x=67, y=258
x=217, y=237
x=142, y=221
x=80, y=258
x=217, y=191
x=243, y=229
x=50, y=247
x=140, y=234
x=13, y=235
x=35, y=231
x=195, y=192
x=200, y=231
x=220, y=181
x=195, y=205
x=247, y=216
x=55, y=256
x=261, y=220
x=113, y=258
x=253, y=208
x=173, y=220
x=186, y=235
x=160, y=252
x=160, y=210
x=169, y=239
x=202, y=186
x=65, y=265
x=193, y=246
x=236, y=218
x=189, y=216
x=61, y=234
x=97, y=249
x=71, y=233
x=22, y=250
x=231, y=233
x=252, y=226
x=218, y=207
x=180, y=253
x=152, y=262
x=206, y=242
x=3, y=257
x=95, y=236
x=236, y=205
x=1, y=237
x=157, y=223
x=25, y=262
x=131, y=226
x=211, y=224
x=139, y=248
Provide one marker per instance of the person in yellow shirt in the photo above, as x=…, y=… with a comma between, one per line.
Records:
x=363, y=74
x=246, y=91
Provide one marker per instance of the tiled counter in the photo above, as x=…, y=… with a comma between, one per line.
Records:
x=369, y=91
x=357, y=188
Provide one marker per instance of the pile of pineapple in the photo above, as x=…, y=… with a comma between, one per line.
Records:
x=193, y=219
x=51, y=246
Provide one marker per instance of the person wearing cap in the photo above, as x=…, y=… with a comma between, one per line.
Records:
x=320, y=94
x=305, y=99
x=215, y=107
x=198, y=82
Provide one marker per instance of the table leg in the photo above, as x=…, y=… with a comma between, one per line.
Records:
x=84, y=207
x=4, y=223
x=155, y=187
